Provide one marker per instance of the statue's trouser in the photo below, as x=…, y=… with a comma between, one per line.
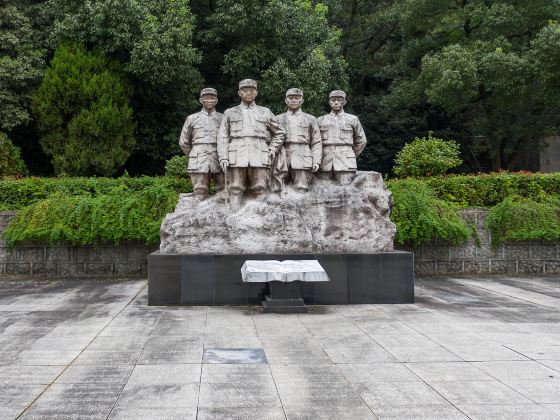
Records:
x=241, y=179
x=341, y=177
x=201, y=183
x=300, y=178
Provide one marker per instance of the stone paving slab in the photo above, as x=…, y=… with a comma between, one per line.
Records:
x=469, y=348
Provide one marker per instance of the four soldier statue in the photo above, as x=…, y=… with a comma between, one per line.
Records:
x=248, y=149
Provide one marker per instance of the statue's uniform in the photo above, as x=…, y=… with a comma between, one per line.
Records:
x=199, y=141
x=303, y=145
x=243, y=141
x=343, y=140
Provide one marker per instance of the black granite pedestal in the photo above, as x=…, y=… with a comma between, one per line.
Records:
x=284, y=298
x=181, y=279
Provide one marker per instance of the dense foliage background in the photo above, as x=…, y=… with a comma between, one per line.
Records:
x=480, y=72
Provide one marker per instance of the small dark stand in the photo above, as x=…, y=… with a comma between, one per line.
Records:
x=284, y=298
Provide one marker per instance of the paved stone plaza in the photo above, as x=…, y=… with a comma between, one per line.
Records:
x=470, y=348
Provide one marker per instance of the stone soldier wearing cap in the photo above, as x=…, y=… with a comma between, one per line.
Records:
x=343, y=140
x=199, y=142
x=303, y=140
x=248, y=141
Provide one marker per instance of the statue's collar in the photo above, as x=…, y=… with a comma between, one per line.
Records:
x=297, y=112
x=253, y=105
x=203, y=111
x=340, y=114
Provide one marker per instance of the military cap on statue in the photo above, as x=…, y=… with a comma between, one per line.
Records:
x=294, y=91
x=248, y=83
x=337, y=94
x=208, y=91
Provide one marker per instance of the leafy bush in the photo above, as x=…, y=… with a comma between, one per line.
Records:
x=427, y=157
x=177, y=166
x=83, y=113
x=422, y=218
x=523, y=219
x=88, y=219
x=484, y=190
x=11, y=163
x=17, y=194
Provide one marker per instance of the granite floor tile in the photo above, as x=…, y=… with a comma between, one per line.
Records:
x=28, y=375
x=540, y=391
x=448, y=371
x=361, y=412
x=172, y=357
x=359, y=355
x=108, y=357
x=444, y=411
x=297, y=356
x=234, y=395
x=520, y=370
x=72, y=401
x=307, y=373
x=94, y=374
x=237, y=373
x=377, y=372
x=46, y=357
x=241, y=413
x=507, y=412
x=478, y=392
x=423, y=354
x=412, y=340
x=15, y=398
x=167, y=413
x=383, y=394
x=165, y=374
x=542, y=352
x=318, y=395
x=491, y=352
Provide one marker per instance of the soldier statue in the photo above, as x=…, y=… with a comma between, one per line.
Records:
x=199, y=142
x=303, y=140
x=249, y=139
x=343, y=140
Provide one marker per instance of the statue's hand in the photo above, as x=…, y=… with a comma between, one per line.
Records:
x=224, y=164
x=271, y=154
x=315, y=167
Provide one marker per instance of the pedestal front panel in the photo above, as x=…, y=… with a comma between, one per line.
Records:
x=181, y=279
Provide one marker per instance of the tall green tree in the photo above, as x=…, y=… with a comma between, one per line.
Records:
x=152, y=39
x=21, y=66
x=281, y=44
x=480, y=63
x=83, y=113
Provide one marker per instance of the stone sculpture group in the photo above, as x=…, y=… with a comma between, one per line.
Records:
x=252, y=151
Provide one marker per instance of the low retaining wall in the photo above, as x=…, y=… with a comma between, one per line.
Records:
x=470, y=258
x=130, y=259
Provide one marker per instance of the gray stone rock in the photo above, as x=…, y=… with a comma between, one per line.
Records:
x=329, y=218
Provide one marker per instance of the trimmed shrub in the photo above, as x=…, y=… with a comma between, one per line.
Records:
x=11, y=163
x=90, y=219
x=485, y=190
x=422, y=218
x=18, y=194
x=523, y=219
x=427, y=157
x=177, y=166
x=83, y=113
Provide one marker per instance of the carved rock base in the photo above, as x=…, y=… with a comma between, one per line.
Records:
x=329, y=218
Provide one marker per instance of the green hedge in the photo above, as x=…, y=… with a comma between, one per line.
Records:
x=18, y=194
x=85, y=219
x=486, y=190
x=523, y=219
x=422, y=218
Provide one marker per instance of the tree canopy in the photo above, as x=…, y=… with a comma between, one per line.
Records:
x=481, y=72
